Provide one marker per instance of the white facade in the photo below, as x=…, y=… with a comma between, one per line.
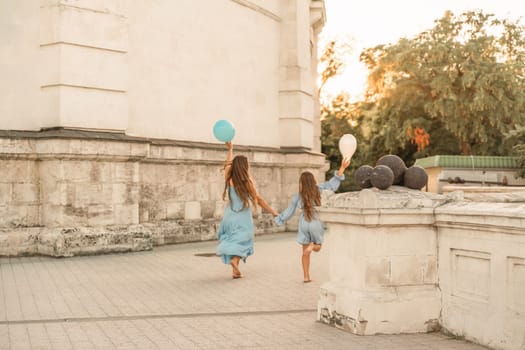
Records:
x=107, y=109
x=163, y=69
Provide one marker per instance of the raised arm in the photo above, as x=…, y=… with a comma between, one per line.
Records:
x=229, y=157
x=334, y=183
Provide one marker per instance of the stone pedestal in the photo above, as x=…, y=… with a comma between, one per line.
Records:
x=383, y=262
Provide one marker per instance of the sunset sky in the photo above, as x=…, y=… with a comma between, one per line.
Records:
x=385, y=21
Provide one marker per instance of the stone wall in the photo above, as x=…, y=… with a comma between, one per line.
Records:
x=70, y=192
x=405, y=261
x=482, y=270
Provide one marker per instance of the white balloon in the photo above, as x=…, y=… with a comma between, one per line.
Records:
x=347, y=145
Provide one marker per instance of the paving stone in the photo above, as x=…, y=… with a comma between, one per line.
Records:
x=179, y=297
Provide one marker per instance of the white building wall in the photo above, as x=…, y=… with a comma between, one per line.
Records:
x=163, y=69
x=192, y=65
x=19, y=50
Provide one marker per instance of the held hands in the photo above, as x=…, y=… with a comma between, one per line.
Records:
x=344, y=164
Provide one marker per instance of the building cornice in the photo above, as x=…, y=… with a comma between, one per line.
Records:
x=258, y=9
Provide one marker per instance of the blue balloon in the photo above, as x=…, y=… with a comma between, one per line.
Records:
x=223, y=131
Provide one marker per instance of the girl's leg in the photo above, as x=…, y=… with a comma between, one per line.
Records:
x=316, y=247
x=234, y=262
x=307, y=250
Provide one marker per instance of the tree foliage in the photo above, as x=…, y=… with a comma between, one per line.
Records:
x=517, y=138
x=460, y=85
x=333, y=58
x=338, y=117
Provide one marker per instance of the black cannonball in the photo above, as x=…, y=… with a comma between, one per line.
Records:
x=415, y=177
x=395, y=163
x=362, y=176
x=382, y=177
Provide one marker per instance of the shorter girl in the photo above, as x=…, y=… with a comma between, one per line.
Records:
x=310, y=228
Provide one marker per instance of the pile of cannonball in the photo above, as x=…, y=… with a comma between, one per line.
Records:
x=391, y=170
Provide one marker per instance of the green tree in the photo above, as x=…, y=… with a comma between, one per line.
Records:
x=517, y=139
x=338, y=117
x=462, y=82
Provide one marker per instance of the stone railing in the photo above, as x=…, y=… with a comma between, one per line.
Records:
x=404, y=261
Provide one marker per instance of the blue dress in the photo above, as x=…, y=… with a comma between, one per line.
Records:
x=309, y=231
x=236, y=230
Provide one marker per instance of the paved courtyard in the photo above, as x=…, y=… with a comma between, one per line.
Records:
x=178, y=297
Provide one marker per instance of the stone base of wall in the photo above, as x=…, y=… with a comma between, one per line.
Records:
x=73, y=241
x=65, y=242
x=181, y=231
x=390, y=310
x=70, y=192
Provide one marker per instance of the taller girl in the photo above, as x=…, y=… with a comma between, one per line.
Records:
x=310, y=229
x=236, y=231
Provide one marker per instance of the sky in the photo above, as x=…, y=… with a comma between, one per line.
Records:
x=374, y=22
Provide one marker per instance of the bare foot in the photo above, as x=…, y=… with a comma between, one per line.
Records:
x=307, y=280
x=236, y=273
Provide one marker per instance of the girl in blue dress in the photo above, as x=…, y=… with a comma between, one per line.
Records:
x=236, y=230
x=310, y=228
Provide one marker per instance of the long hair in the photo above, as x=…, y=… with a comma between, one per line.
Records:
x=239, y=175
x=309, y=194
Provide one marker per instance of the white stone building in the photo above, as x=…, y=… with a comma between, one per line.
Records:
x=107, y=108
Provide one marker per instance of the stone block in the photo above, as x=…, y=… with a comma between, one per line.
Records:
x=148, y=174
x=25, y=193
x=5, y=193
x=54, y=193
x=91, y=193
x=124, y=193
x=291, y=177
x=126, y=214
x=77, y=171
x=516, y=283
x=408, y=270
x=52, y=146
x=33, y=215
x=377, y=271
x=17, y=171
x=63, y=242
x=215, y=189
x=175, y=210
x=192, y=210
x=101, y=172
x=13, y=215
x=208, y=209
x=100, y=68
x=150, y=206
x=18, y=241
x=220, y=205
x=201, y=192
x=75, y=24
x=100, y=215
x=52, y=215
x=16, y=146
x=73, y=215
x=127, y=172
x=186, y=192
